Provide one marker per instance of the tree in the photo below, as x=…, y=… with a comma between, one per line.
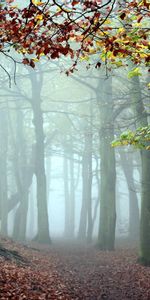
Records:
x=140, y=139
x=39, y=166
x=85, y=226
x=69, y=187
x=106, y=236
x=78, y=30
x=126, y=160
x=4, y=167
x=23, y=174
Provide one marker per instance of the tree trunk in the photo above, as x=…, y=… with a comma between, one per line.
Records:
x=43, y=224
x=145, y=210
x=66, y=195
x=42, y=207
x=98, y=195
x=141, y=120
x=127, y=165
x=3, y=173
x=89, y=190
x=69, y=190
x=86, y=214
x=106, y=235
x=72, y=193
x=23, y=174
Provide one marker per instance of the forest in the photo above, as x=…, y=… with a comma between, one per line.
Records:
x=74, y=150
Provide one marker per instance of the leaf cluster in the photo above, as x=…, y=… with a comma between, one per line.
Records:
x=139, y=139
x=77, y=30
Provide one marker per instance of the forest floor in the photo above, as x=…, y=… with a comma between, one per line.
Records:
x=66, y=272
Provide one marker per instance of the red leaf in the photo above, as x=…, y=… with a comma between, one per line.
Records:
x=122, y=16
x=26, y=61
x=98, y=65
x=75, y=3
x=32, y=64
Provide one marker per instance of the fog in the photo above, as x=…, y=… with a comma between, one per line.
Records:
x=60, y=176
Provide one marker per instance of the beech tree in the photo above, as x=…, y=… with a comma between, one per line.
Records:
x=77, y=29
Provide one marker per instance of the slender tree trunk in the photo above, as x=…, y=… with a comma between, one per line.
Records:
x=83, y=214
x=23, y=175
x=72, y=194
x=127, y=165
x=66, y=195
x=43, y=235
x=43, y=224
x=106, y=236
x=86, y=214
x=98, y=196
x=3, y=173
x=69, y=190
x=89, y=191
x=48, y=176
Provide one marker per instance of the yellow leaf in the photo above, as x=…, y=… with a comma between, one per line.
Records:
x=38, y=3
x=22, y=51
x=58, y=9
x=143, y=55
x=92, y=51
x=84, y=58
x=35, y=59
x=121, y=30
x=39, y=17
x=99, y=43
x=137, y=24
x=108, y=21
x=141, y=3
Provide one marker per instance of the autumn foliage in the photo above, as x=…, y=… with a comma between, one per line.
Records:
x=78, y=29
x=72, y=272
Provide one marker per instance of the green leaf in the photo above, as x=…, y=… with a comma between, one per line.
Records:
x=134, y=72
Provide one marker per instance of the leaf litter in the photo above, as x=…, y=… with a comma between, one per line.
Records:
x=68, y=272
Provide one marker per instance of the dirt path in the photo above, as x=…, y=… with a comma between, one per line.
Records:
x=73, y=272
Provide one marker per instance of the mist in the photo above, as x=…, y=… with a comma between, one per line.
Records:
x=61, y=177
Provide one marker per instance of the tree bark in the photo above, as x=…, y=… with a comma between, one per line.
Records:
x=141, y=120
x=3, y=173
x=127, y=165
x=107, y=224
x=66, y=195
x=42, y=207
x=23, y=175
x=72, y=192
x=85, y=225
